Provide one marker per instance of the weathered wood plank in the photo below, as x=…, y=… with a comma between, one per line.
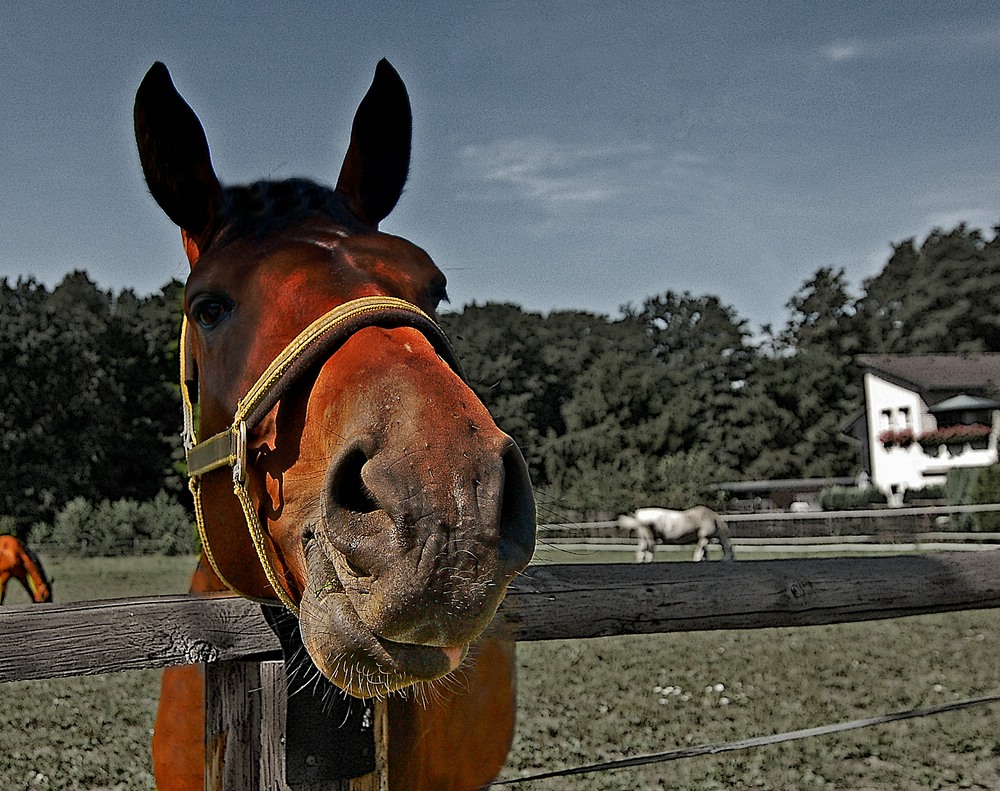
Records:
x=599, y=600
x=233, y=726
x=246, y=737
x=547, y=602
x=53, y=640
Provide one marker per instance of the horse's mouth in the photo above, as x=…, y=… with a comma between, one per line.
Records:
x=349, y=652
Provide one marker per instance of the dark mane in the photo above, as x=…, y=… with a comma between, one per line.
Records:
x=38, y=563
x=263, y=208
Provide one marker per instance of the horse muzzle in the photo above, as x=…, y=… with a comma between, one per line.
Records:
x=397, y=592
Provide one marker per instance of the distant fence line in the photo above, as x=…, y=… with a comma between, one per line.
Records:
x=877, y=525
x=88, y=549
x=885, y=524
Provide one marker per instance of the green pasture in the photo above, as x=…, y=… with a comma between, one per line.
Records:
x=595, y=700
x=89, y=732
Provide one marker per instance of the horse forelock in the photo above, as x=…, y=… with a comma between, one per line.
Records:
x=263, y=208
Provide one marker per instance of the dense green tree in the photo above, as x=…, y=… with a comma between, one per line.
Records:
x=600, y=454
x=90, y=407
x=52, y=380
x=703, y=351
x=526, y=367
x=159, y=526
x=943, y=296
x=667, y=391
x=813, y=383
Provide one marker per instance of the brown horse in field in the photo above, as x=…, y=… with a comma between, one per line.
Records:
x=20, y=563
x=350, y=472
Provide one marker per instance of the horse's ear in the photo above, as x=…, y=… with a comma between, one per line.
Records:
x=378, y=159
x=175, y=159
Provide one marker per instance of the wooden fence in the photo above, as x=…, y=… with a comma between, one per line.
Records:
x=246, y=685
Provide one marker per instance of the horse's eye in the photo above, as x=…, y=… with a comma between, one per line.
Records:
x=210, y=310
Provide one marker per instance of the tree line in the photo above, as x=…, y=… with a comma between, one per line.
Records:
x=680, y=393
x=653, y=405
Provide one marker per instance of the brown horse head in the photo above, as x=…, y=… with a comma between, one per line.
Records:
x=393, y=510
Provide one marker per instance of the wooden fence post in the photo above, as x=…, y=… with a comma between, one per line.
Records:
x=245, y=732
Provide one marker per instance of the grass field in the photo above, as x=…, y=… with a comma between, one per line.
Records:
x=594, y=700
x=94, y=732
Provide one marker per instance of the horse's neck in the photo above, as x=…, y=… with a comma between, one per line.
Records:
x=204, y=579
x=39, y=584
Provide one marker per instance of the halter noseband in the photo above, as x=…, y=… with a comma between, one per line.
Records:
x=319, y=340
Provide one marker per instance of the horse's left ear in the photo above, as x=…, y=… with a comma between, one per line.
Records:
x=175, y=159
x=378, y=159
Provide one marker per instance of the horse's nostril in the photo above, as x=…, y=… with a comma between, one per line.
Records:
x=517, y=513
x=347, y=488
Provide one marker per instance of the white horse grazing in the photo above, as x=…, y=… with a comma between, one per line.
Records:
x=698, y=524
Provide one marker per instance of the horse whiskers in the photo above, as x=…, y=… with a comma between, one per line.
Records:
x=371, y=684
x=424, y=693
x=524, y=573
x=303, y=677
x=555, y=515
x=301, y=673
x=459, y=680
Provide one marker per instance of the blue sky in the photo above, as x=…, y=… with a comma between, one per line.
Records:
x=566, y=155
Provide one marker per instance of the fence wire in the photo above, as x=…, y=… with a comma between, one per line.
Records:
x=756, y=741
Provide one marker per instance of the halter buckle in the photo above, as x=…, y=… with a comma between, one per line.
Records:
x=239, y=453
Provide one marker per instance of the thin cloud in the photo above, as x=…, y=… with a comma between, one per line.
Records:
x=556, y=175
x=943, y=42
x=840, y=52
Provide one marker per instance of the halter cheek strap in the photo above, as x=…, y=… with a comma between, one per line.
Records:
x=229, y=448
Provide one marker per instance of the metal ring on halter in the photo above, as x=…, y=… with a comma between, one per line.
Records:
x=318, y=341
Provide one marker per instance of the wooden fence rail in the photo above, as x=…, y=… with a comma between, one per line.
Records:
x=547, y=602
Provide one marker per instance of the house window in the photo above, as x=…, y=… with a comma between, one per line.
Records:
x=885, y=420
x=904, y=417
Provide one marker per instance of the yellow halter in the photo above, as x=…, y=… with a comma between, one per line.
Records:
x=229, y=447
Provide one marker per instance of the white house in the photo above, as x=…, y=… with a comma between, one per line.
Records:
x=926, y=414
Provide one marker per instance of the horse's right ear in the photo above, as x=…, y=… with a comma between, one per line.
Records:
x=175, y=159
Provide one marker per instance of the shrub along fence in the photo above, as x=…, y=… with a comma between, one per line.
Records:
x=161, y=526
x=247, y=703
